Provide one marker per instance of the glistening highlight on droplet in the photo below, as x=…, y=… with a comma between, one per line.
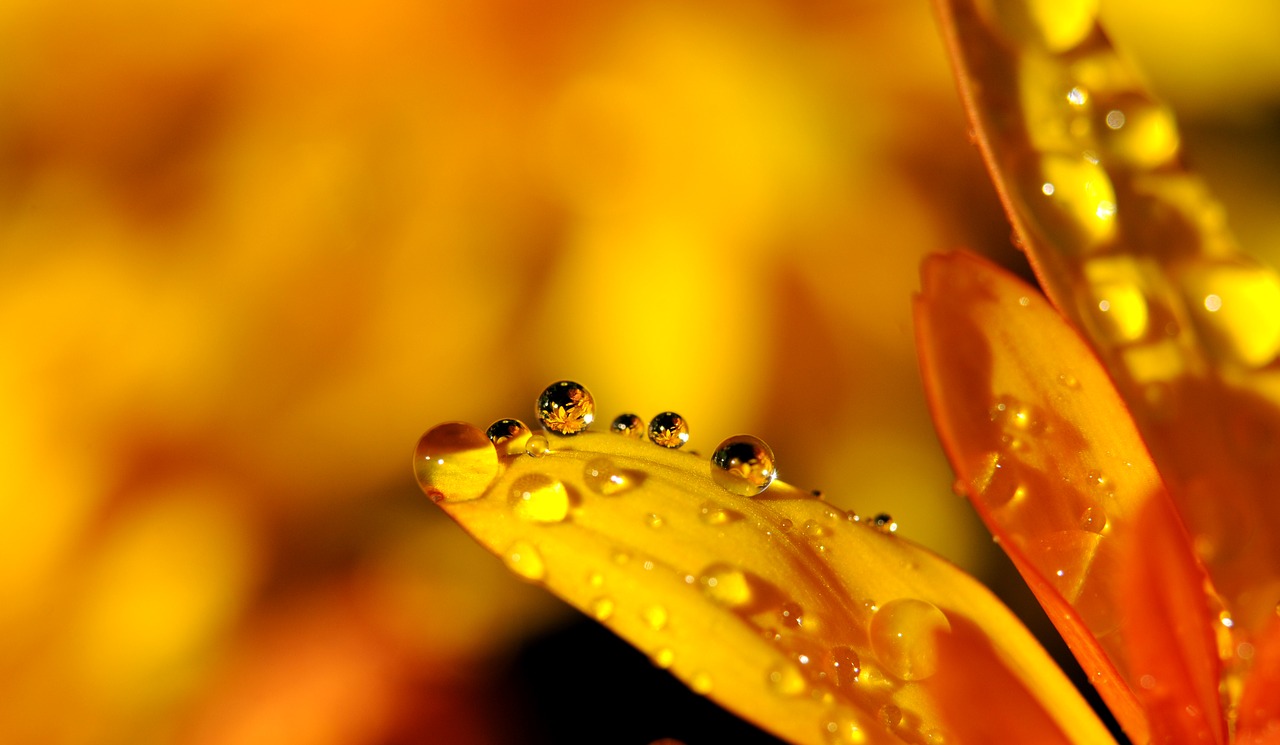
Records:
x=509, y=436
x=566, y=408
x=454, y=462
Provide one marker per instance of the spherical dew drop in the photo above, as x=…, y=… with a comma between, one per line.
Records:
x=743, y=465
x=669, y=429
x=565, y=408
x=454, y=462
x=903, y=634
x=628, y=425
x=509, y=436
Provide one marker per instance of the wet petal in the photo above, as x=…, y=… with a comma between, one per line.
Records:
x=1135, y=251
x=1259, y=712
x=812, y=624
x=1046, y=451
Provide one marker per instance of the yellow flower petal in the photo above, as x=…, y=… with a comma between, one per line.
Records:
x=1047, y=452
x=1134, y=250
x=809, y=622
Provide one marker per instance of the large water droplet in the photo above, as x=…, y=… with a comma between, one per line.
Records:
x=1054, y=25
x=727, y=585
x=743, y=465
x=539, y=498
x=669, y=430
x=523, y=559
x=1072, y=199
x=902, y=634
x=566, y=408
x=606, y=478
x=509, y=436
x=629, y=425
x=845, y=666
x=454, y=462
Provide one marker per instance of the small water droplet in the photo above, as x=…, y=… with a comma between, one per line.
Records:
x=701, y=684
x=787, y=680
x=523, y=559
x=669, y=430
x=602, y=609
x=743, y=465
x=890, y=716
x=845, y=666
x=714, y=514
x=653, y=520
x=539, y=498
x=885, y=523
x=1093, y=519
x=934, y=737
x=509, y=436
x=537, y=446
x=664, y=657
x=785, y=525
x=595, y=579
x=843, y=729
x=655, y=616
x=628, y=424
x=1069, y=381
x=814, y=529
x=565, y=408
x=791, y=615
x=605, y=478
x=454, y=462
x=902, y=634
x=727, y=585
x=852, y=517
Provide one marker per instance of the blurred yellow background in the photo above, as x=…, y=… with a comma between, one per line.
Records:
x=249, y=252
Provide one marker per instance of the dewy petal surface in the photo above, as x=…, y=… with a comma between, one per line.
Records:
x=816, y=626
x=1135, y=251
x=1046, y=451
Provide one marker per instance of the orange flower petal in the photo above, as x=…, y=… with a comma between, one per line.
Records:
x=801, y=618
x=1135, y=251
x=1259, y=712
x=1046, y=451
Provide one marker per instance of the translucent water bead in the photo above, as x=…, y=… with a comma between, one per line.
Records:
x=566, y=408
x=743, y=465
x=454, y=462
x=669, y=430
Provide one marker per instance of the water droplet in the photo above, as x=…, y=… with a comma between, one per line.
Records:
x=1069, y=381
x=903, y=639
x=566, y=408
x=785, y=525
x=743, y=465
x=1093, y=519
x=791, y=615
x=629, y=425
x=655, y=616
x=605, y=478
x=890, y=716
x=595, y=579
x=523, y=559
x=843, y=729
x=539, y=498
x=1140, y=131
x=1072, y=199
x=814, y=529
x=454, y=462
x=714, y=514
x=845, y=666
x=1052, y=25
x=1114, y=299
x=537, y=446
x=787, y=680
x=1000, y=483
x=508, y=436
x=664, y=657
x=653, y=520
x=602, y=609
x=885, y=523
x=727, y=585
x=1245, y=326
x=701, y=684
x=934, y=737
x=669, y=430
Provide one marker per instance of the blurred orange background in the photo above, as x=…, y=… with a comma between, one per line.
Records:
x=249, y=252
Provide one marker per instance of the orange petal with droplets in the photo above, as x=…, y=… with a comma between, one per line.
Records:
x=780, y=607
x=1047, y=453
